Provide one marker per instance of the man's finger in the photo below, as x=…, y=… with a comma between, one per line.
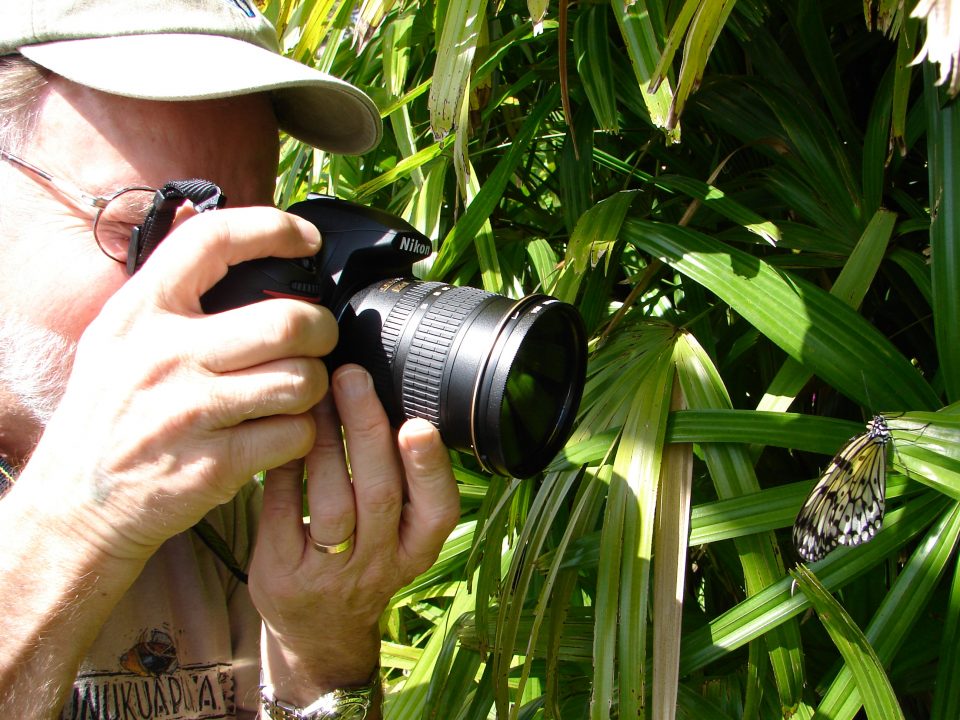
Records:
x=198, y=253
x=433, y=501
x=371, y=448
x=248, y=336
x=329, y=490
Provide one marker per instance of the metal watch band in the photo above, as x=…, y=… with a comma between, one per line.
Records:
x=343, y=704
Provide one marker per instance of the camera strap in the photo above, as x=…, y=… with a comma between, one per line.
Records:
x=145, y=238
x=218, y=546
x=7, y=477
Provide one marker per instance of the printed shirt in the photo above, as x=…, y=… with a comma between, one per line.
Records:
x=183, y=643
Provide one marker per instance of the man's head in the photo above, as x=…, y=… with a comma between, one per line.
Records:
x=150, y=106
x=59, y=279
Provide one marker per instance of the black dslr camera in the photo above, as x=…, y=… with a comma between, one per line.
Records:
x=500, y=377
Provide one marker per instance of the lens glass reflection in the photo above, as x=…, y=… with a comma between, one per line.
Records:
x=537, y=390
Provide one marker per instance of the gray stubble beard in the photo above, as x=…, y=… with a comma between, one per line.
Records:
x=35, y=365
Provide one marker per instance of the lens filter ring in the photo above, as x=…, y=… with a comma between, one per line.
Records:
x=476, y=411
x=530, y=387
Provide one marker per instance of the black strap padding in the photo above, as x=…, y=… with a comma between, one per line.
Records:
x=204, y=195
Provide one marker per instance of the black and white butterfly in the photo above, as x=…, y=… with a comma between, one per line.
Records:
x=846, y=506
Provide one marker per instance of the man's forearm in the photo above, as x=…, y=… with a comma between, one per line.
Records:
x=55, y=594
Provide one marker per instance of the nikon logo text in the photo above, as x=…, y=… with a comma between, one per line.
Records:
x=415, y=245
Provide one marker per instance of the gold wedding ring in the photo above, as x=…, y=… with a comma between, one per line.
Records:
x=334, y=549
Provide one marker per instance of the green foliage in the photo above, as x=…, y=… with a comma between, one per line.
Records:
x=755, y=286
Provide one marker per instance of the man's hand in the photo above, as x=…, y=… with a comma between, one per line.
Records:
x=168, y=411
x=399, y=497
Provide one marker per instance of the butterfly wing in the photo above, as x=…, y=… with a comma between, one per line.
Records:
x=846, y=506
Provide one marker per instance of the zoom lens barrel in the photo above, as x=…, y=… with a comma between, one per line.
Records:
x=499, y=376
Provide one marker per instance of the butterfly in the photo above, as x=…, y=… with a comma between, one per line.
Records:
x=846, y=506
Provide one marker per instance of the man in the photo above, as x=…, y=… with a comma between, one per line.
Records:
x=127, y=415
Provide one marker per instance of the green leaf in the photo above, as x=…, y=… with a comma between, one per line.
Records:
x=733, y=476
x=879, y=700
x=702, y=34
x=917, y=268
x=544, y=262
x=681, y=24
x=549, y=501
x=946, y=701
x=778, y=429
x=397, y=51
x=455, y=51
x=407, y=701
x=815, y=44
x=402, y=169
x=851, y=286
x=597, y=232
x=756, y=615
x=900, y=610
x=672, y=531
x=490, y=271
x=943, y=141
x=478, y=212
x=626, y=547
x=640, y=24
x=903, y=77
x=591, y=47
x=808, y=324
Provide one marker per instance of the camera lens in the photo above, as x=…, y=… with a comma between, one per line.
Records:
x=530, y=396
x=500, y=377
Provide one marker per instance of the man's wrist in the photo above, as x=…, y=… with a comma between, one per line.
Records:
x=350, y=703
x=80, y=515
x=300, y=671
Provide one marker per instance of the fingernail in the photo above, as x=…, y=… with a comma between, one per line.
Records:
x=420, y=435
x=310, y=232
x=354, y=382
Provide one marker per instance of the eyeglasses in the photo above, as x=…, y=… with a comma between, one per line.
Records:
x=116, y=215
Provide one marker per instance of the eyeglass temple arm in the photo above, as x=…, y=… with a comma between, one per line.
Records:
x=64, y=186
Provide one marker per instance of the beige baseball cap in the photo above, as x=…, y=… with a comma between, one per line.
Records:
x=189, y=50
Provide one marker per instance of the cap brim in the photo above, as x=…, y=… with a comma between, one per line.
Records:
x=312, y=106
